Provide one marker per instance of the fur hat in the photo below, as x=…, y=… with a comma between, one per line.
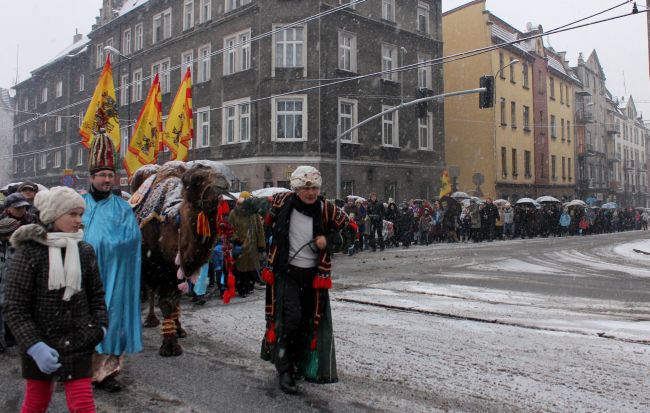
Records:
x=8, y=226
x=30, y=186
x=102, y=154
x=306, y=177
x=57, y=202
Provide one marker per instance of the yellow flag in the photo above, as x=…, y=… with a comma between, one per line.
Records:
x=179, y=130
x=102, y=111
x=145, y=142
x=445, y=188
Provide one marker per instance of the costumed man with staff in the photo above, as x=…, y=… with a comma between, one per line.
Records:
x=112, y=229
x=306, y=228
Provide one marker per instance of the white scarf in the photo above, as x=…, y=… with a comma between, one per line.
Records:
x=64, y=274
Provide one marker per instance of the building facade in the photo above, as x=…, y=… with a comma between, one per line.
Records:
x=262, y=103
x=7, y=110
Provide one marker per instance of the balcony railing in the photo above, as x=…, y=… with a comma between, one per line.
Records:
x=642, y=166
x=629, y=164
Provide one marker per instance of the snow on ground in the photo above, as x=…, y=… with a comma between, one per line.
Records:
x=627, y=250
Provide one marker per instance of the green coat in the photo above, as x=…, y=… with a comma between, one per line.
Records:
x=250, y=232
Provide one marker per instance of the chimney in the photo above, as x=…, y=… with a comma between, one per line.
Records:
x=77, y=36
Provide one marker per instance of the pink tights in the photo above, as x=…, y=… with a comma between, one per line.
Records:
x=78, y=394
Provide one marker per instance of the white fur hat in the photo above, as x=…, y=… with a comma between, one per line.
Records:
x=56, y=202
x=306, y=177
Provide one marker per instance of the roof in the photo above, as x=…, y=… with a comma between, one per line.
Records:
x=130, y=5
x=557, y=65
x=6, y=101
x=72, y=49
x=507, y=37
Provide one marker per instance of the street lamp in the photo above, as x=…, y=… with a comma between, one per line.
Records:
x=494, y=128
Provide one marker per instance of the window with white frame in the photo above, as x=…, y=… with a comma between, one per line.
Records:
x=237, y=57
x=57, y=159
x=99, y=55
x=289, y=47
x=388, y=61
x=162, y=69
x=423, y=17
x=126, y=42
x=164, y=127
x=204, y=64
x=81, y=118
x=109, y=43
x=233, y=4
x=389, y=127
x=58, y=124
x=124, y=89
x=44, y=128
x=187, y=62
x=26, y=104
x=424, y=72
x=124, y=136
x=188, y=14
x=59, y=88
x=138, y=42
x=137, y=86
x=43, y=163
x=237, y=121
x=203, y=127
x=80, y=156
x=162, y=25
x=348, y=116
x=289, y=114
x=205, y=12
x=425, y=132
x=44, y=95
x=388, y=10
x=347, y=51
x=82, y=82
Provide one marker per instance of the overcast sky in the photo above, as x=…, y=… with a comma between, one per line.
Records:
x=42, y=28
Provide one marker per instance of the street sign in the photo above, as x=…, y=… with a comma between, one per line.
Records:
x=69, y=181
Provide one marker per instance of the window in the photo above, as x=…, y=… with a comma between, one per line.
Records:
x=562, y=128
x=503, y=111
x=347, y=119
x=82, y=82
x=233, y=4
x=512, y=70
x=81, y=118
x=44, y=128
x=289, y=116
x=80, y=156
x=58, y=124
x=388, y=10
x=567, y=97
x=137, y=86
x=203, y=127
x=501, y=64
x=99, y=55
x=186, y=63
x=561, y=93
x=551, y=86
x=59, y=88
x=524, y=73
x=347, y=51
x=390, y=127
x=527, y=164
x=236, y=121
x=553, y=175
x=162, y=26
x=204, y=64
x=553, y=131
x=124, y=90
x=126, y=42
x=124, y=136
x=388, y=61
x=424, y=72
x=162, y=69
x=108, y=54
x=513, y=114
x=188, y=15
x=205, y=12
x=139, y=37
x=43, y=163
x=57, y=159
x=237, y=56
x=44, y=95
x=26, y=104
x=563, y=168
x=289, y=48
x=423, y=17
x=425, y=132
x=504, y=164
x=514, y=163
x=526, y=118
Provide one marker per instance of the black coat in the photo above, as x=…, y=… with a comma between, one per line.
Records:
x=34, y=313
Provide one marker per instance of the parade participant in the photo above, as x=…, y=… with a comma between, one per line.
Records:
x=15, y=207
x=376, y=214
x=249, y=234
x=306, y=228
x=7, y=227
x=111, y=228
x=55, y=303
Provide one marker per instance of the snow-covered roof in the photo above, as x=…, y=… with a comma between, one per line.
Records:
x=77, y=47
x=130, y=5
x=506, y=36
x=554, y=63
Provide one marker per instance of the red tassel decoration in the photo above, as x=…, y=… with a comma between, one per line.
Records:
x=270, y=334
x=267, y=276
x=203, y=226
x=230, y=292
x=314, y=343
x=322, y=282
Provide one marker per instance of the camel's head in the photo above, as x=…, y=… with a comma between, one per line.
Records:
x=202, y=186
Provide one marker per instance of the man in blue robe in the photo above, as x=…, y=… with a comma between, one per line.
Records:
x=111, y=228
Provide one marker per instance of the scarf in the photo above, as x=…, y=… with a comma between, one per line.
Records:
x=64, y=273
x=97, y=194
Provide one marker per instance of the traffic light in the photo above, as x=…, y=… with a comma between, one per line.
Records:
x=486, y=99
x=422, y=107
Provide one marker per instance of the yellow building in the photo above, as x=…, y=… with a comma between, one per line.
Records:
x=493, y=148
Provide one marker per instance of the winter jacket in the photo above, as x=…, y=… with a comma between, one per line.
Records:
x=508, y=215
x=34, y=313
x=475, y=216
x=6, y=253
x=375, y=211
x=425, y=223
x=565, y=219
x=249, y=233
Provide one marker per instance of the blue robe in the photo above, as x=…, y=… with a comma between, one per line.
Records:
x=111, y=228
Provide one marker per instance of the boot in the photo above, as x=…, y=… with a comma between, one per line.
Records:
x=109, y=385
x=287, y=383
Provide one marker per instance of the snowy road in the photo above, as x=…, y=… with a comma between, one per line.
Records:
x=534, y=325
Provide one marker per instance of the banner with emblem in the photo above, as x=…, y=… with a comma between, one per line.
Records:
x=445, y=187
x=179, y=129
x=146, y=140
x=102, y=110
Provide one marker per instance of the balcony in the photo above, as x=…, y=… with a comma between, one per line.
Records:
x=643, y=167
x=628, y=164
x=584, y=117
x=613, y=129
